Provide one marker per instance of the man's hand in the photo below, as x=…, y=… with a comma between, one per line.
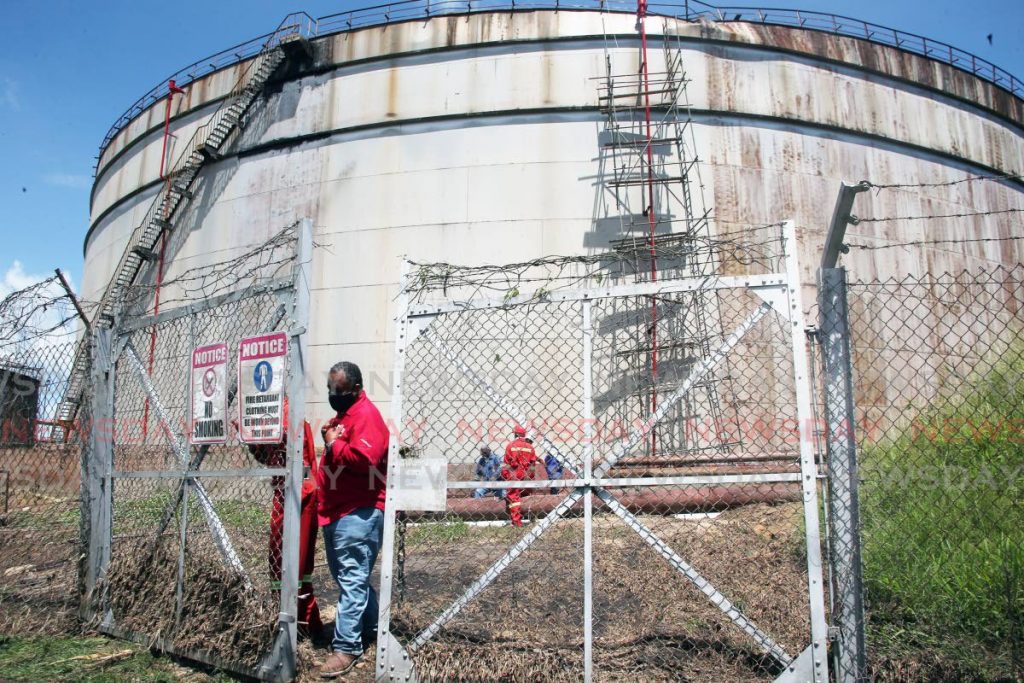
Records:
x=329, y=432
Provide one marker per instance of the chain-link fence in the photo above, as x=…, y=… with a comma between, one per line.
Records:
x=40, y=451
x=190, y=522
x=939, y=369
x=655, y=518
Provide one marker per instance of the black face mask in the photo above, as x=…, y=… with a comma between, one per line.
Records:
x=340, y=403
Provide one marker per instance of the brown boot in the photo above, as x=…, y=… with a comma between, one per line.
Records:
x=338, y=663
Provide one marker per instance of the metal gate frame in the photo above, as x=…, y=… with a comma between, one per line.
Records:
x=113, y=345
x=780, y=293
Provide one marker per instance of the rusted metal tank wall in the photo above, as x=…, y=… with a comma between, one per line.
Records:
x=475, y=139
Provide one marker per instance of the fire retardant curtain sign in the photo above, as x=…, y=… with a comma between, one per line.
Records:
x=209, y=395
x=261, y=370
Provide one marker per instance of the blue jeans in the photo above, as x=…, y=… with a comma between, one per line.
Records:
x=351, y=544
x=480, y=493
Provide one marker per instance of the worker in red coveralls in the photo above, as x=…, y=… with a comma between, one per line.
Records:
x=352, y=480
x=519, y=461
x=274, y=455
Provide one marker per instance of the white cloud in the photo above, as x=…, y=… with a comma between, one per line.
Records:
x=73, y=180
x=16, y=278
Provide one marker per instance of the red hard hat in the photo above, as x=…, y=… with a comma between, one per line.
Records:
x=518, y=430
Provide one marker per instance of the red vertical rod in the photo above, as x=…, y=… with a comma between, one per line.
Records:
x=652, y=218
x=152, y=335
x=172, y=89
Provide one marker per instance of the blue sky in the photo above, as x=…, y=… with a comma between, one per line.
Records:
x=69, y=68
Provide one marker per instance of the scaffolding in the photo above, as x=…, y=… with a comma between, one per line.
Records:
x=650, y=169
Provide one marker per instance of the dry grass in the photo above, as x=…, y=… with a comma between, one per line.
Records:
x=38, y=580
x=219, y=614
x=649, y=623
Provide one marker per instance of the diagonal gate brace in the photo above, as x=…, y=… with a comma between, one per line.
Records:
x=699, y=372
x=217, y=531
x=569, y=501
x=693, y=576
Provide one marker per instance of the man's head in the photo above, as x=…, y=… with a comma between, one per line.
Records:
x=344, y=384
x=485, y=450
x=519, y=430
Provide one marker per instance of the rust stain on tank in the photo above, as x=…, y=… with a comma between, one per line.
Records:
x=547, y=77
x=750, y=149
x=485, y=29
x=891, y=61
x=451, y=30
x=392, y=92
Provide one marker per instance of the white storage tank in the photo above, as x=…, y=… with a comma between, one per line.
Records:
x=476, y=138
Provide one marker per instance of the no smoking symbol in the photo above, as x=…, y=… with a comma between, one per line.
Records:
x=209, y=382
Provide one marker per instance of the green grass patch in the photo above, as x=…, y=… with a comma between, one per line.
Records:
x=449, y=529
x=44, y=517
x=245, y=515
x=79, y=660
x=942, y=507
x=236, y=515
x=140, y=512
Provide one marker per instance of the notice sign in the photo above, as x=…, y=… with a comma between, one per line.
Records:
x=209, y=394
x=261, y=387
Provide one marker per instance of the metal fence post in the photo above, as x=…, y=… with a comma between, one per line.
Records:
x=392, y=660
x=98, y=465
x=283, y=656
x=588, y=497
x=841, y=449
x=818, y=659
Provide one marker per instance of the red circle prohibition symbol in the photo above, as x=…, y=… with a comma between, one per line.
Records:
x=209, y=382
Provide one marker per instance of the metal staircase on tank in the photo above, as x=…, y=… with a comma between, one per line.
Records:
x=182, y=180
x=648, y=151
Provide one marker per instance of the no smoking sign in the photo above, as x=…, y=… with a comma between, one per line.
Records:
x=208, y=396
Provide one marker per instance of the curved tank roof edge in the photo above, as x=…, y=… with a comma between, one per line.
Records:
x=413, y=10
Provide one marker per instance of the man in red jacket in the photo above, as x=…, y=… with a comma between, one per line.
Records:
x=519, y=461
x=275, y=456
x=352, y=484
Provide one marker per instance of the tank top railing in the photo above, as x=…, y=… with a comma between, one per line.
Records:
x=689, y=10
x=298, y=22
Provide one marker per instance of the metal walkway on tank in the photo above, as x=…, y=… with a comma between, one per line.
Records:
x=181, y=181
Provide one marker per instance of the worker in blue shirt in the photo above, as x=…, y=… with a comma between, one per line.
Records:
x=488, y=468
x=553, y=468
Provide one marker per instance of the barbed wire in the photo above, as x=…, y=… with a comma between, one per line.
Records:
x=966, y=214
x=42, y=310
x=677, y=255
x=262, y=263
x=919, y=243
x=948, y=183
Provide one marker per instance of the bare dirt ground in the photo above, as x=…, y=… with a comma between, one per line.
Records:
x=650, y=624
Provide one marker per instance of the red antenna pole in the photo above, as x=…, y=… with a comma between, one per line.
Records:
x=172, y=90
x=652, y=218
